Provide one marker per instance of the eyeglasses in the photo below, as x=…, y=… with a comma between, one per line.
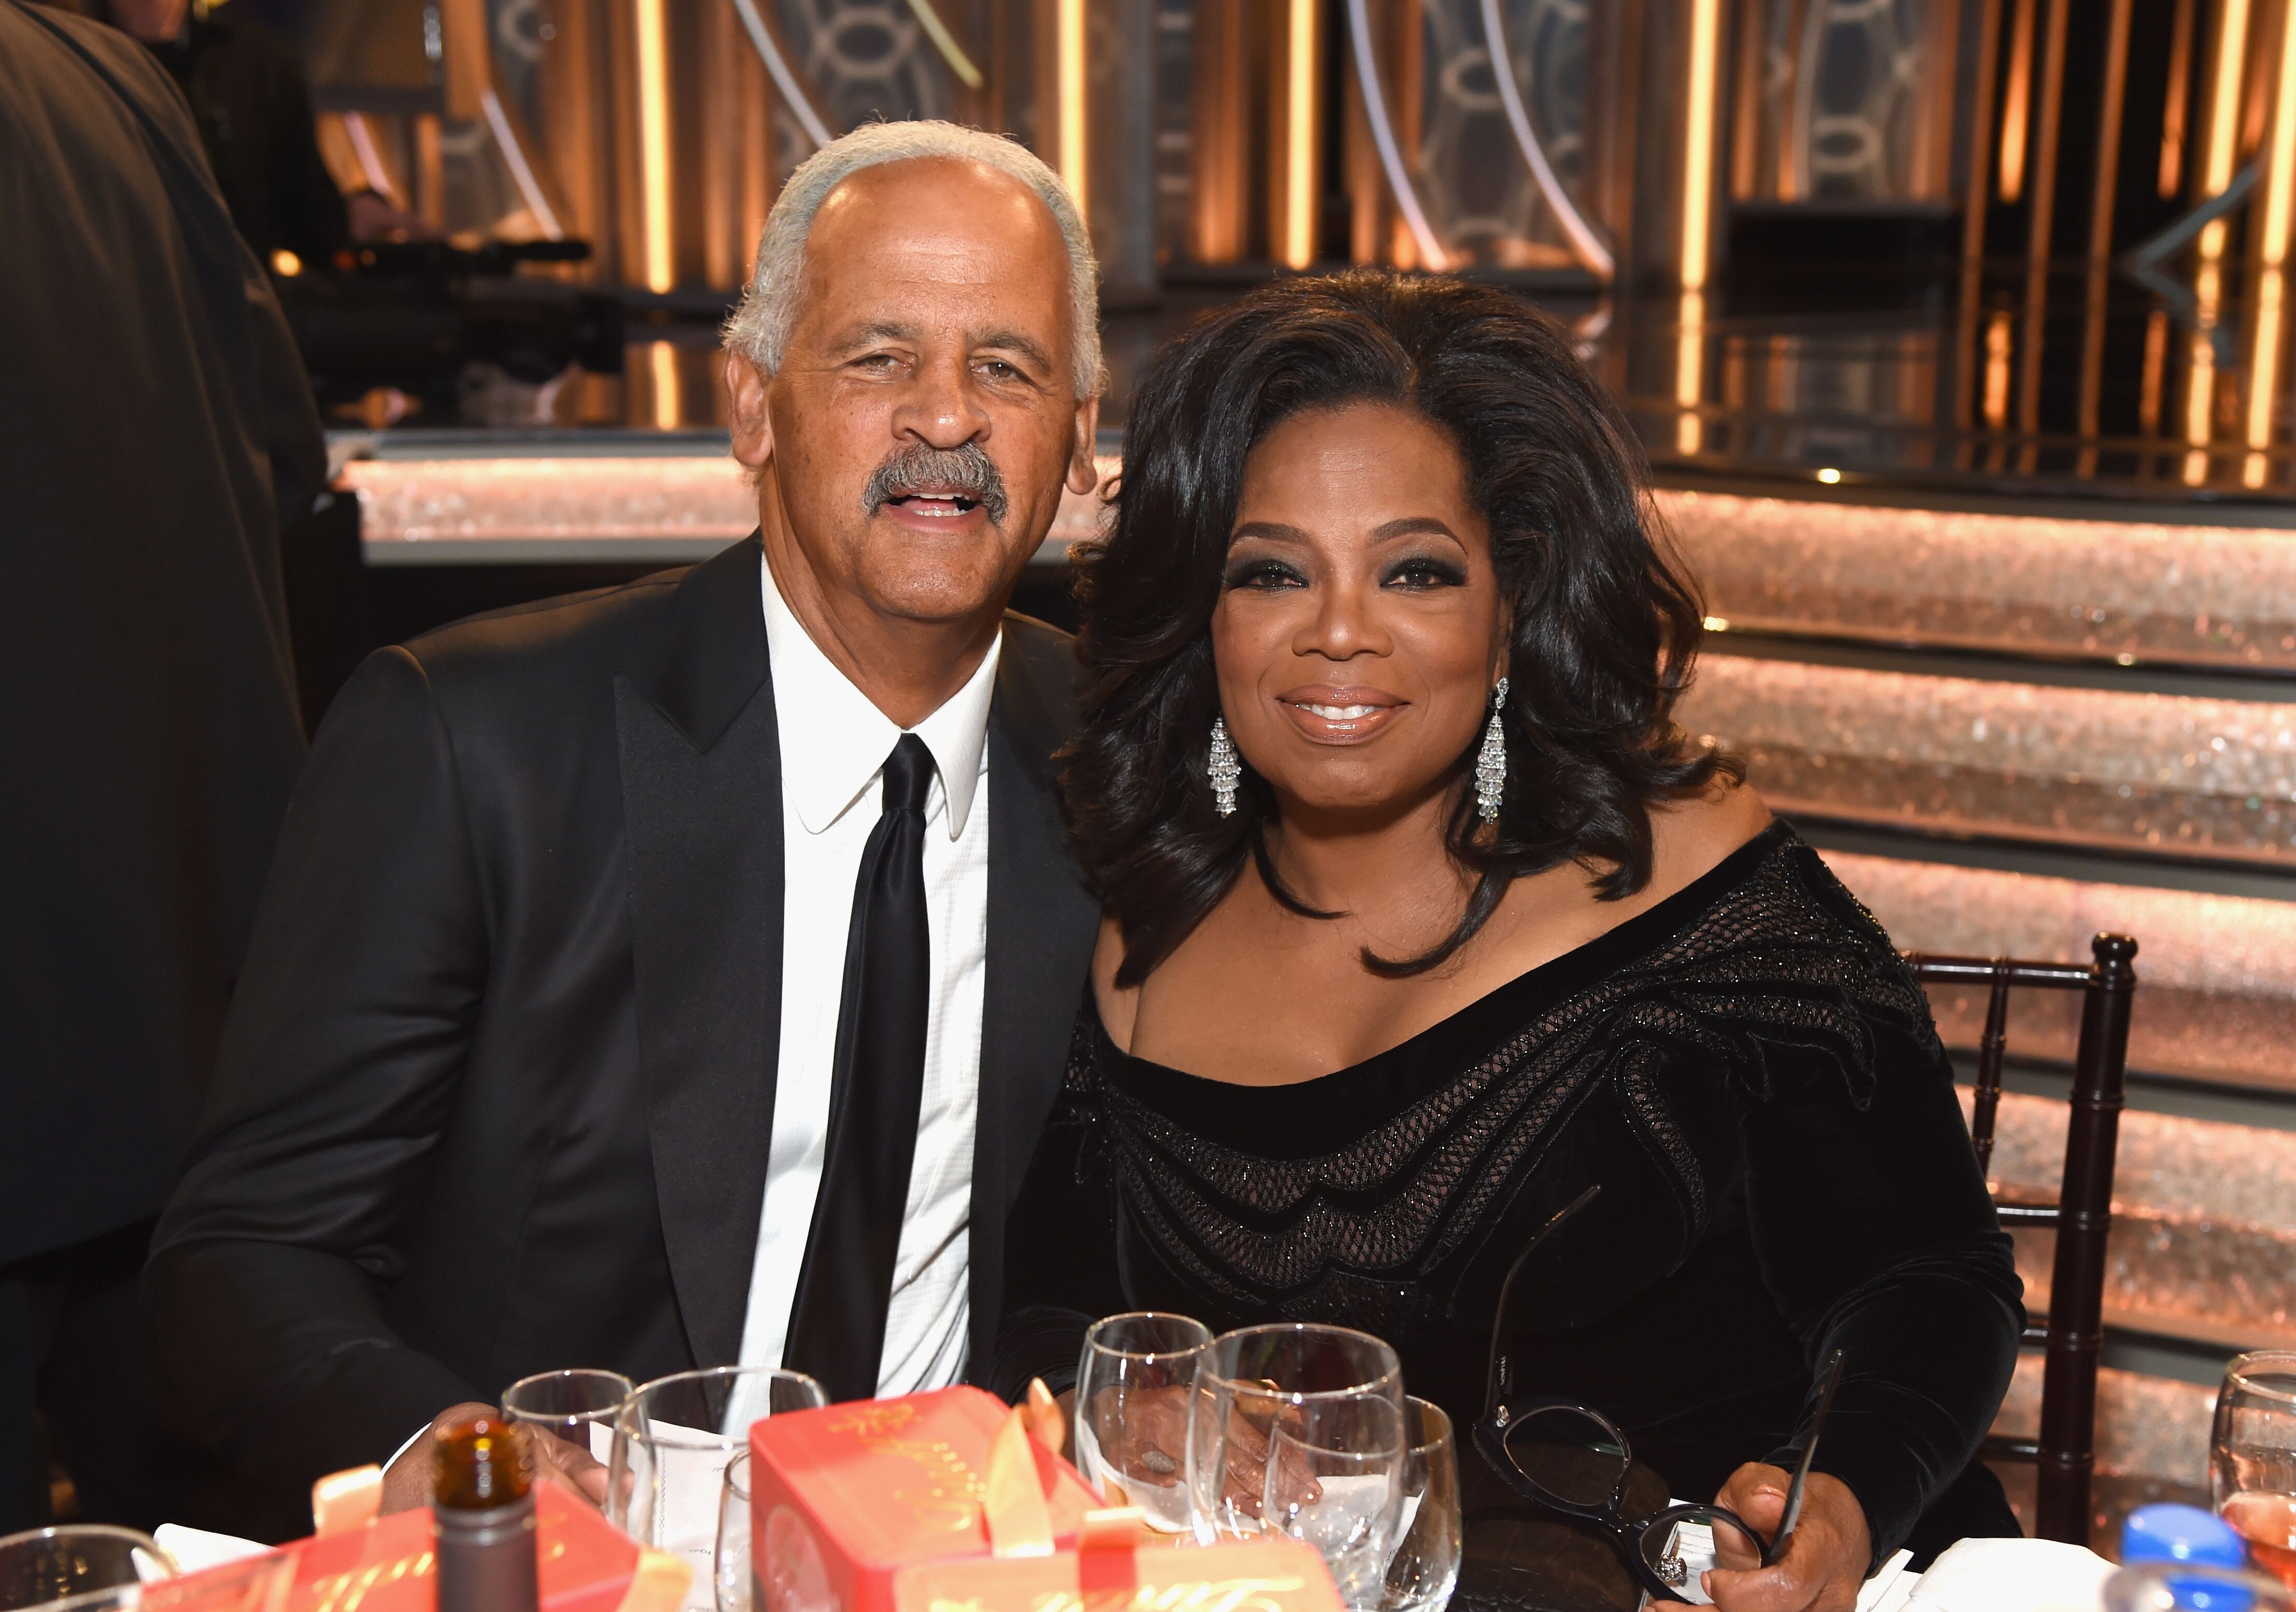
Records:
x=1574, y=1460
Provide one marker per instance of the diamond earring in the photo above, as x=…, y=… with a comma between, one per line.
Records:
x=1490, y=762
x=1224, y=769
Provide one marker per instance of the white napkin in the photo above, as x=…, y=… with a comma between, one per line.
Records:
x=2011, y=1576
x=196, y=1550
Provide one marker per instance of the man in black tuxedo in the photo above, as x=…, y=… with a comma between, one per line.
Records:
x=678, y=974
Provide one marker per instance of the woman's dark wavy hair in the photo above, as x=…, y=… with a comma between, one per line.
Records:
x=1605, y=627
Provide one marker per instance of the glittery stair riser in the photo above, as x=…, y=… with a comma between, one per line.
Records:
x=2227, y=1284
x=2216, y=994
x=1953, y=799
x=2201, y=1034
x=2236, y=1177
x=2202, y=595
x=2097, y=767
x=2152, y=1425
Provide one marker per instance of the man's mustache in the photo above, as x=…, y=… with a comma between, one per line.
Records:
x=966, y=470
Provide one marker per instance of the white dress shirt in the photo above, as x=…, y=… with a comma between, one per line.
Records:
x=834, y=745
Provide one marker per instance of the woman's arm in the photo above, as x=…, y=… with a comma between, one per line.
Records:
x=1875, y=1236
x=1060, y=1255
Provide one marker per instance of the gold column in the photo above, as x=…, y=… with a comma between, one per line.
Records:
x=1295, y=171
x=2268, y=326
x=1221, y=146
x=650, y=60
x=1697, y=218
x=2220, y=154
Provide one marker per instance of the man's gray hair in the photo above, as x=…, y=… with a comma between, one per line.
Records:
x=759, y=328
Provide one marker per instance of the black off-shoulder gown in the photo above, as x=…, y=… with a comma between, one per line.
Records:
x=1750, y=1073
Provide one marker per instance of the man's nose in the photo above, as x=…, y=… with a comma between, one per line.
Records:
x=943, y=407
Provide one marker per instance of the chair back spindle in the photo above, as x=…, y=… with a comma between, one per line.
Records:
x=2072, y=1340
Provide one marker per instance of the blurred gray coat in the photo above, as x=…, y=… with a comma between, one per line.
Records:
x=155, y=434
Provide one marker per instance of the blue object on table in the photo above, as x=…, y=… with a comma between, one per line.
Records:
x=2186, y=1533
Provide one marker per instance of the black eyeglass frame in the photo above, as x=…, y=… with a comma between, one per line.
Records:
x=1609, y=1515
x=1490, y=1437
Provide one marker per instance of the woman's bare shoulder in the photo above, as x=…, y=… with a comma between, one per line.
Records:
x=1690, y=838
x=1120, y=1005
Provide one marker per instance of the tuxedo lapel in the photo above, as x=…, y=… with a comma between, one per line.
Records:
x=1041, y=923
x=700, y=761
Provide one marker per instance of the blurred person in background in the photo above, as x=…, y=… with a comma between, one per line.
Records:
x=155, y=435
x=253, y=107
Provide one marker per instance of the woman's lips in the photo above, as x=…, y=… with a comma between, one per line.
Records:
x=1338, y=716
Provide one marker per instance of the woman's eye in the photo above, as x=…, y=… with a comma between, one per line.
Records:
x=1424, y=572
x=1263, y=574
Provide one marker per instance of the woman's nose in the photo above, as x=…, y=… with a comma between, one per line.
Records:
x=1344, y=623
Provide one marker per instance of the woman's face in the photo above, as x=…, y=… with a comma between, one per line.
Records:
x=1360, y=626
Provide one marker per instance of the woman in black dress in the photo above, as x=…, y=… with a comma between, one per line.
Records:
x=1422, y=916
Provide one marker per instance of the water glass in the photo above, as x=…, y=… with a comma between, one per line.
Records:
x=2252, y=1458
x=1300, y=1429
x=49, y=1564
x=733, y=1560
x=578, y=1406
x=2166, y=1586
x=1424, y=1568
x=673, y=1438
x=1133, y=1384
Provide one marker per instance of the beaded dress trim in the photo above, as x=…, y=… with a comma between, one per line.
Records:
x=1784, y=956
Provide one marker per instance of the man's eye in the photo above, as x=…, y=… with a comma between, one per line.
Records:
x=1263, y=574
x=877, y=361
x=1424, y=572
x=996, y=369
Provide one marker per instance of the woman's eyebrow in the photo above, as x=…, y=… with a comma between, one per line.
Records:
x=1275, y=530
x=1413, y=525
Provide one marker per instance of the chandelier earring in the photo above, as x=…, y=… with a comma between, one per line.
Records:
x=1490, y=762
x=1225, y=769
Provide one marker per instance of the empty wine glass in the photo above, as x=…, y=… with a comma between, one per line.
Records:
x=577, y=1406
x=1133, y=1384
x=673, y=1440
x=1424, y=1568
x=1298, y=1429
x=49, y=1564
x=733, y=1558
x=2252, y=1458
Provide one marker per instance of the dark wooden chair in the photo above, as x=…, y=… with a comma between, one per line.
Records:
x=2073, y=1334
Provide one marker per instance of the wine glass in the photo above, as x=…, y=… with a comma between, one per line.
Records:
x=577, y=1406
x=733, y=1560
x=2252, y=1458
x=1424, y=1568
x=1133, y=1384
x=1298, y=1429
x=673, y=1438
x=49, y=1564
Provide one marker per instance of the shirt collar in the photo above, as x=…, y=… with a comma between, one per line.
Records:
x=835, y=741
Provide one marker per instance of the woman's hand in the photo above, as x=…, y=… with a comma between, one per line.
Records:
x=1825, y=1560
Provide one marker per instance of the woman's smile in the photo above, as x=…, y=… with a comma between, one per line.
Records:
x=1326, y=713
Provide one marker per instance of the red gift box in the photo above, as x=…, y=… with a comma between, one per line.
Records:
x=1274, y=1575
x=843, y=1498
x=584, y=1562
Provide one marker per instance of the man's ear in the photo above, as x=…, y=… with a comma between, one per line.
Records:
x=1083, y=474
x=747, y=417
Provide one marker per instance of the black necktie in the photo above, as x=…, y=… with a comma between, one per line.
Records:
x=837, y=1322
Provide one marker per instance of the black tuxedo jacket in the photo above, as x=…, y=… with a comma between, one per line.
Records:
x=497, y=1090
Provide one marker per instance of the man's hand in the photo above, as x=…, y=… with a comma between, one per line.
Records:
x=1825, y=1562
x=407, y=1481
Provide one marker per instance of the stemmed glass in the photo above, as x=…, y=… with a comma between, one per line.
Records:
x=578, y=1406
x=733, y=1558
x=2252, y=1458
x=49, y=1564
x=1134, y=1380
x=1299, y=1430
x=673, y=1438
x=1424, y=1569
